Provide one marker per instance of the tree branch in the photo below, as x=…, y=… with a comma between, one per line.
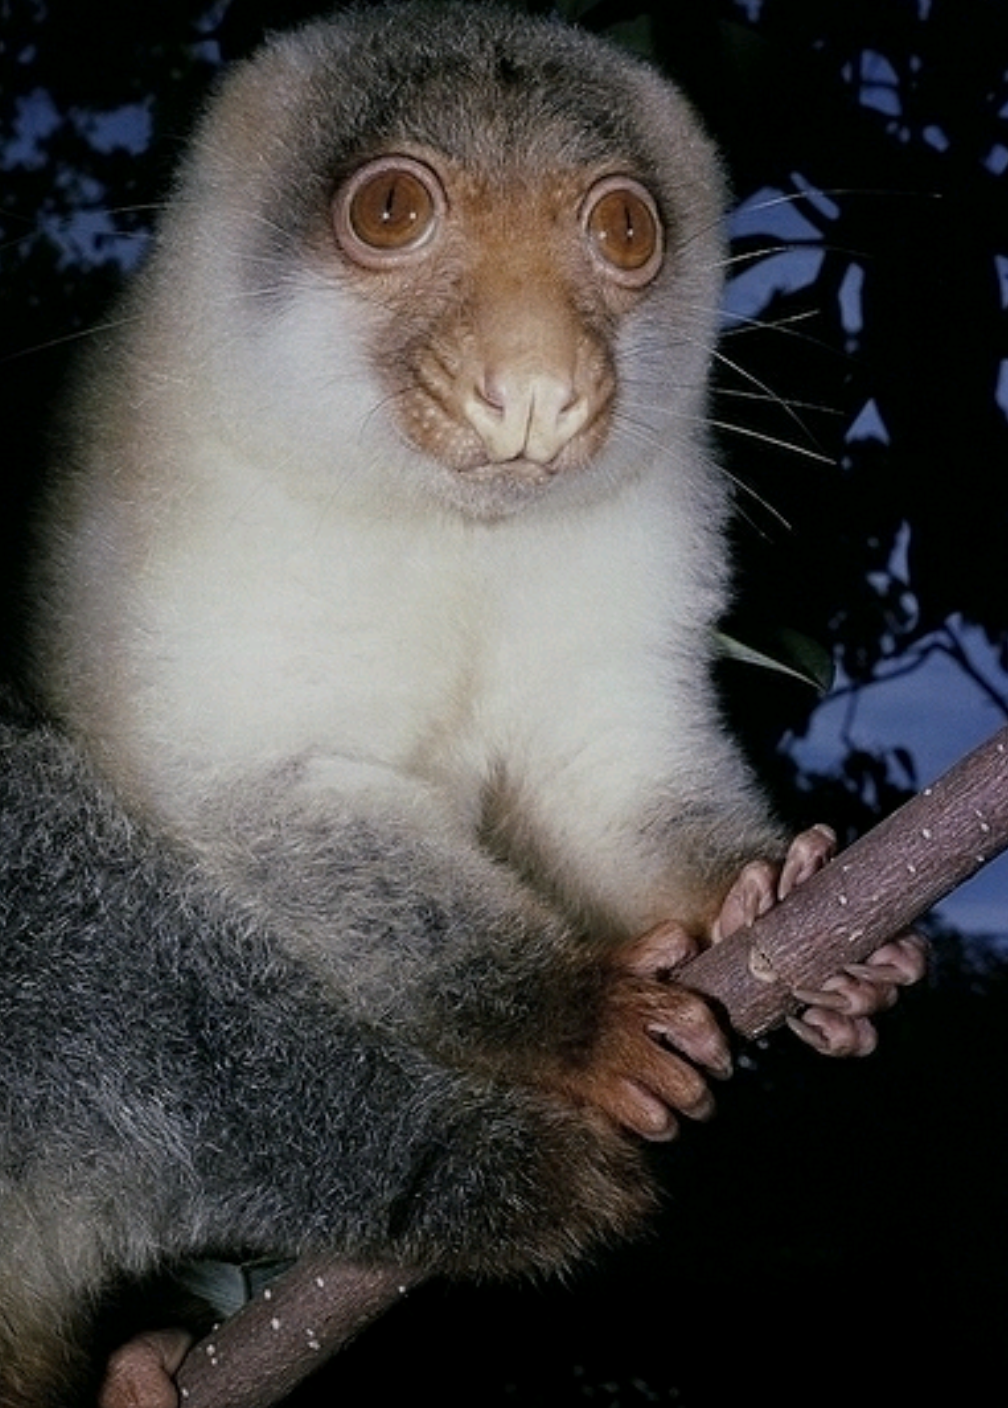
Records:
x=875, y=889
x=869, y=894
x=258, y=1356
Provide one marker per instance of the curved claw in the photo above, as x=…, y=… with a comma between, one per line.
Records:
x=808, y=852
x=832, y=1034
x=761, y=884
x=903, y=960
x=851, y=995
x=862, y=989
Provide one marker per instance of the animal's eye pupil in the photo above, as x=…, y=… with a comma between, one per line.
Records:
x=391, y=210
x=623, y=226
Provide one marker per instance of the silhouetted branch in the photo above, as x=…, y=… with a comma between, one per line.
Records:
x=869, y=894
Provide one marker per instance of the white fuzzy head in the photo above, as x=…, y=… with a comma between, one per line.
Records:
x=446, y=252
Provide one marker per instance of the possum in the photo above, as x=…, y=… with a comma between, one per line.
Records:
x=377, y=584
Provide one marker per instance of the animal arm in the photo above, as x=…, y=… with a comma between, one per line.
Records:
x=875, y=889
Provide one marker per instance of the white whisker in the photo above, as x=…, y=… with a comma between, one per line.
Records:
x=775, y=440
x=77, y=335
x=766, y=392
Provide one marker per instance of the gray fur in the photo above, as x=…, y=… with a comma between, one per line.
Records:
x=340, y=1006
x=175, y=1084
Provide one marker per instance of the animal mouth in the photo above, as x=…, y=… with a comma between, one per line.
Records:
x=519, y=470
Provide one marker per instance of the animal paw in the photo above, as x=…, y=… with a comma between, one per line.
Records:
x=140, y=1374
x=837, y=1020
x=657, y=1043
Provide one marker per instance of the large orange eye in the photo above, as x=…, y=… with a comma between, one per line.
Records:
x=624, y=230
x=388, y=210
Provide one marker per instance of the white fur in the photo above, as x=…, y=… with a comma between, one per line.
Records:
x=271, y=572
x=266, y=625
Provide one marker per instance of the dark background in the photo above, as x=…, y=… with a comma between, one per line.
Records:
x=839, y=1233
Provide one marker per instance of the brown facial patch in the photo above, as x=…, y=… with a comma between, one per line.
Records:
x=497, y=340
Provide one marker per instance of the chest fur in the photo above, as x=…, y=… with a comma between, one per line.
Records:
x=421, y=642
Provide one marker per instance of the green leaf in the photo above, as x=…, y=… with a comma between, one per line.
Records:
x=798, y=656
